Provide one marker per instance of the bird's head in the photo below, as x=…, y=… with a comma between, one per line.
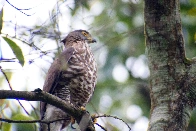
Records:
x=79, y=35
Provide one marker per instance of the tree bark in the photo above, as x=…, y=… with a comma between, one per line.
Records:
x=173, y=77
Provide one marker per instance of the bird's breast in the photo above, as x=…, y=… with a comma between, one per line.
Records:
x=81, y=77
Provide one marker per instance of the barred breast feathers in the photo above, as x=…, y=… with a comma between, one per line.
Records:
x=84, y=66
x=54, y=74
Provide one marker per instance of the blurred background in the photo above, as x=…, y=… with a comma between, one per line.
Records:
x=34, y=30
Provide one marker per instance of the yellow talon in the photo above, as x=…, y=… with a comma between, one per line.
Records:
x=82, y=108
x=94, y=118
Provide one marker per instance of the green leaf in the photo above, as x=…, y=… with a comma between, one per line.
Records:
x=6, y=126
x=192, y=11
x=16, y=49
x=1, y=20
x=23, y=126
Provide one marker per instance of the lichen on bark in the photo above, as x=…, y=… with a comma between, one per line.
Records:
x=172, y=85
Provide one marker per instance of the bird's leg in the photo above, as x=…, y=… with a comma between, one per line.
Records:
x=73, y=121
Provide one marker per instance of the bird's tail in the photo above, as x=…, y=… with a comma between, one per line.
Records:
x=58, y=119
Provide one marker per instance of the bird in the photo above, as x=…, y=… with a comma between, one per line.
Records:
x=71, y=77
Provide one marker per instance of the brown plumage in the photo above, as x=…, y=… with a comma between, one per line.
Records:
x=71, y=77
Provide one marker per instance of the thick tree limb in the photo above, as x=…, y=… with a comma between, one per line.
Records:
x=39, y=95
x=173, y=76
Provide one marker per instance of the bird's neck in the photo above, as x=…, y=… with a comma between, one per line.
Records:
x=79, y=46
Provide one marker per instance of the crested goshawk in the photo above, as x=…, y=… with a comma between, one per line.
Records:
x=71, y=77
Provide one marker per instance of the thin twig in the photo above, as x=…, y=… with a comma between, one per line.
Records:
x=20, y=9
x=115, y=117
x=94, y=108
x=34, y=109
x=29, y=121
x=16, y=7
x=101, y=126
x=12, y=89
x=31, y=44
x=23, y=107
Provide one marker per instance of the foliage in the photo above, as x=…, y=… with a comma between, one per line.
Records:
x=16, y=50
x=118, y=26
x=23, y=126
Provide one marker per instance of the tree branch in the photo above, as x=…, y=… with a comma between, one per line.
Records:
x=38, y=95
x=28, y=121
x=19, y=8
x=115, y=117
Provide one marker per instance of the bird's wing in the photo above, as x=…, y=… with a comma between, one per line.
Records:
x=60, y=63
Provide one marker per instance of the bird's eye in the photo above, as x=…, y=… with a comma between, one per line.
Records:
x=84, y=33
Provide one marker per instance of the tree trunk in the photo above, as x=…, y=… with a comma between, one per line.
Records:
x=172, y=80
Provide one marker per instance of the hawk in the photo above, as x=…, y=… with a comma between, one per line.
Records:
x=71, y=77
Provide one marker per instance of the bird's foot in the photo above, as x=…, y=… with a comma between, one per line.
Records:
x=83, y=108
x=94, y=118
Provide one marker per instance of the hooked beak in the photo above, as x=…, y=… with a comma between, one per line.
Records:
x=91, y=40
